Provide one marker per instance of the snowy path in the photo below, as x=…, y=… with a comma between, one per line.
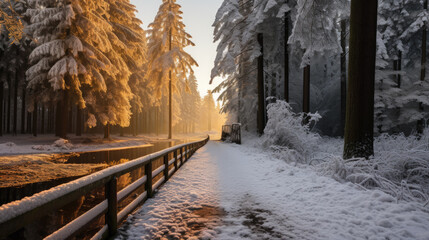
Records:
x=236, y=192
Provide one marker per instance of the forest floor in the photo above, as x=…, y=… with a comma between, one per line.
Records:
x=228, y=191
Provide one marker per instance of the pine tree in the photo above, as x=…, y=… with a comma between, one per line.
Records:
x=167, y=60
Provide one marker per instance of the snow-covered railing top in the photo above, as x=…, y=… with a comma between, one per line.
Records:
x=16, y=215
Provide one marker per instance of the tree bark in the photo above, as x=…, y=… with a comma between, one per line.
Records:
x=78, y=121
x=29, y=122
x=306, y=90
x=343, y=74
x=261, y=90
x=15, y=103
x=23, y=110
x=170, y=95
x=42, y=125
x=35, y=119
x=286, y=53
x=359, y=132
x=62, y=115
x=9, y=95
x=420, y=123
x=1, y=107
x=107, y=131
x=58, y=119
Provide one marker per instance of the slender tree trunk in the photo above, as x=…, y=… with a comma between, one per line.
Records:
x=78, y=121
x=1, y=107
x=9, y=84
x=399, y=68
x=359, y=133
x=15, y=103
x=29, y=122
x=420, y=123
x=107, y=131
x=42, y=125
x=170, y=96
x=23, y=110
x=306, y=90
x=286, y=53
x=343, y=74
x=70, y=121
x=35, y=119
x=261, y=90
x=62, y=115
x=58, y=118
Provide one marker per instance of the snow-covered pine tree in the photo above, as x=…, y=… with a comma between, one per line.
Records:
x=396, y=92
x=68, y=65
x=127, y=28
x=191, y=102
x=167, y=60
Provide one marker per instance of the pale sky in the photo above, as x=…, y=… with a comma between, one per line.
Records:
x=198, y=16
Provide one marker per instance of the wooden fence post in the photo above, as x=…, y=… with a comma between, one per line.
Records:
x=181, y=156
x=166, y=177
x=148, y=185
x=111, y=217
x=175, y=160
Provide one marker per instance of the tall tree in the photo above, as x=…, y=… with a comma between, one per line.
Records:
x=420, y=122
x=359, y=131
x=167, y=60
x=343, y=74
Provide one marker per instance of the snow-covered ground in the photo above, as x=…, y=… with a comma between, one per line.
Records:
x=228, y=191
x=48, y=143
x=24, y=169
x=28, y=159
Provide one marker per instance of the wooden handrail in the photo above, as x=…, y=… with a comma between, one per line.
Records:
x=16, y=215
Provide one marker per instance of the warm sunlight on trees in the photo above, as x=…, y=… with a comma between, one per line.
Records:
x=10, y=20
x=167, y=59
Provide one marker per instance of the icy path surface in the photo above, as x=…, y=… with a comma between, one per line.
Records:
x=237, y=192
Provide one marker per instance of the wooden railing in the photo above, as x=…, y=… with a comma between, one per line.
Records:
x=16, y=215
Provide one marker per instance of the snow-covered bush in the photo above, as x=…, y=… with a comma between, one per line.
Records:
x=288, y=134
x=400, y=167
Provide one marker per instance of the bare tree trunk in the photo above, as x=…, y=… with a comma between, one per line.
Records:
x=286, y=53
x=420, y=123
x=62, y=115
x=306, y=90
x=58, y=116
x=9, y=84
x=35, y=119
x=15, y=104
x=261, y=90
x=42, y=125
x=107, y=131
x=170, y=96
x=359, y=132
x=1, y=107
x=23, y=110
x=343, y=74
x=29, y=122
x=78, y=121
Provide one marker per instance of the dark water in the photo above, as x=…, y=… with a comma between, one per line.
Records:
x=115, y=155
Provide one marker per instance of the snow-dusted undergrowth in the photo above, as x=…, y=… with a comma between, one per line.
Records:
x=288, y=134
x=400, y=166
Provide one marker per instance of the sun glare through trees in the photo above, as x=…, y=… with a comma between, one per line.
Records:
x=218, y=119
